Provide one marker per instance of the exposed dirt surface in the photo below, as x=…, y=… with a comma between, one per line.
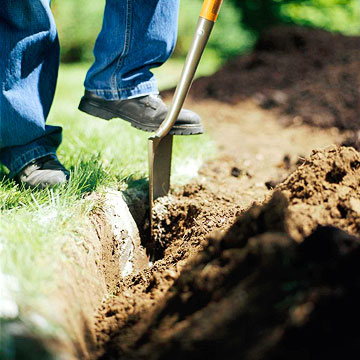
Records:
x=310, y=75
x=256, y=294
x=325, y=191
x=240, y=270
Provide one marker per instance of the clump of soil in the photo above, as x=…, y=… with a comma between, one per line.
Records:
x=352, y=140
x=187, y=216
x=324, y=190
x=310, y=75
x=183, y=222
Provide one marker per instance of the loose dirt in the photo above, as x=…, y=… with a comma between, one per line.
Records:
x=310, y=75
x=324, y=191
x=242, y=270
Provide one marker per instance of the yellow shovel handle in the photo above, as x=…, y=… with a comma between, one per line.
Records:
x=211, y=9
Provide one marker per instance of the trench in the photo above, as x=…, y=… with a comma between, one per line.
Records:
x=257, y=257
x=183, y=221
x=252, y=287
x=186, y=220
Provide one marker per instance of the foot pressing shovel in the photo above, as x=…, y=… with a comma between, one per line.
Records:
x=160, y=145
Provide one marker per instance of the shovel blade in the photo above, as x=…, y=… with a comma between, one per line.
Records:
x=160, y=150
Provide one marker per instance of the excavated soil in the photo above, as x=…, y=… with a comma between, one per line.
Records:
x=258, y=257
x=324, y=191
x=309, y=75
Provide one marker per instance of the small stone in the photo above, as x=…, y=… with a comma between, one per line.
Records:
x=236, y=172
x=280, y=97
x=171, y=274
x=287, y=162
x=301, y=313
x=298, y=120
x=355, y=205
x=271, y=184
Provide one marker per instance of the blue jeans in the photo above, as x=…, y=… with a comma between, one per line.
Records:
x=137, y=35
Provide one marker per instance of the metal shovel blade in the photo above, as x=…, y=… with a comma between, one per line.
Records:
x=160, y=150
x=160, y=145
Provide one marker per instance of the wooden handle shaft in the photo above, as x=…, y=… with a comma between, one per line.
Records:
x=211, y=9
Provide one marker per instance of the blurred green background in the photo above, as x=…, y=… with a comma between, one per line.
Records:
x=240, y=23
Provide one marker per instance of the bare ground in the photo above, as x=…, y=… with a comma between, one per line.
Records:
x=242, y=271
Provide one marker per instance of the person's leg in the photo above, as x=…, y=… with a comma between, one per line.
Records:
x=29, y=60
x=136, y=36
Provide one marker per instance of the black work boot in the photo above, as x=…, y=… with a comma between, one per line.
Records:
x=144, y=113
x=44, y=172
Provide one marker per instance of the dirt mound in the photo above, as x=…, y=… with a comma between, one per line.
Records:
x=272, y=283
x=310, y=75
x=257, y=294
x=254, y=291
x=324, y=190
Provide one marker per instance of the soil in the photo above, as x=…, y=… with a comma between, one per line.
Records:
x=324, y=191
x=257, y=258
x=309, y=75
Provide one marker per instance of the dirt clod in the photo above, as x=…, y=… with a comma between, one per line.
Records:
x=324, y=191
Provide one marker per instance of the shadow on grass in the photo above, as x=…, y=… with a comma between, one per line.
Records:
x=17, y=342
x=87, y=175
x=137, y=183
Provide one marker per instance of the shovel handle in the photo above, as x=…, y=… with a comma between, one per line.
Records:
x=211, y=9
x=208, y=16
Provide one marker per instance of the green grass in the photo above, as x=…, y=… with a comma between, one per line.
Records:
x=35, y=226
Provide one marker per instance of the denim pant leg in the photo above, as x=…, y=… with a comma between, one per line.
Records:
x=29, y=61
x=137, y=35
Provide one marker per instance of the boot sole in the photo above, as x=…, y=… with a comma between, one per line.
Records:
x=94, y=109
